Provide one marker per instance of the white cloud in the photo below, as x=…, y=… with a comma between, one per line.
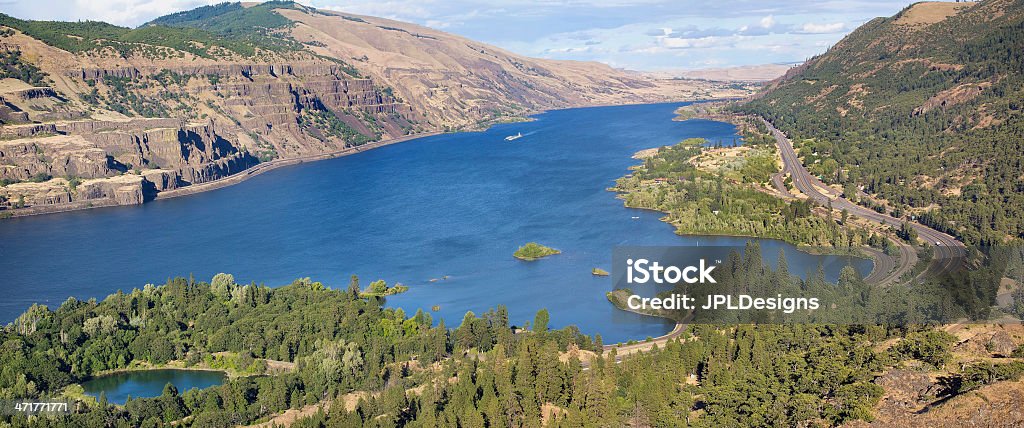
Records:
x=649, y=50
x=568, y=50
x=642, y=34
x=813, y=28
x=397, y=9
x=700, y=42
x=130, y=12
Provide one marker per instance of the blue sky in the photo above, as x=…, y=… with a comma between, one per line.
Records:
x=634, y=34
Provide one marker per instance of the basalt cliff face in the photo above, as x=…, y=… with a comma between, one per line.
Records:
x=91, y=112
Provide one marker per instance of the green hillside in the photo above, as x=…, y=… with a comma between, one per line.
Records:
x=152, y=41
x=229, y=17
x=922, y=109
x=201, y=31
x=255, y=24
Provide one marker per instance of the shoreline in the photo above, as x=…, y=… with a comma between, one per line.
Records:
x=876, y=256
x=883, y=266
x=229, y=180
x=862, y=252
x=639, y=345
x=124, y=370
x=808, y=249
x=260, y=168
x=280, y=163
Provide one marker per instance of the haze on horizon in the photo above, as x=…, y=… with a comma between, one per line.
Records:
x=649, y=35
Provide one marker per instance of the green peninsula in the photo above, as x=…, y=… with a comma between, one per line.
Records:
x=713, y=190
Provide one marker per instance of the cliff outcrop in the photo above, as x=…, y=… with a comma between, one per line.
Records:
x=117, y=120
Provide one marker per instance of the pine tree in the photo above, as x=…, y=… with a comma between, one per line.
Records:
x=540, y=321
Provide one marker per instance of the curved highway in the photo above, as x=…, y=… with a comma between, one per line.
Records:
x=949, y=252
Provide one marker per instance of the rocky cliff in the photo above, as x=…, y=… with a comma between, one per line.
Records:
x=179, y=102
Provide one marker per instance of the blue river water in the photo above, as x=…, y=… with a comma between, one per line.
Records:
x=454, y=205
x=150, y=383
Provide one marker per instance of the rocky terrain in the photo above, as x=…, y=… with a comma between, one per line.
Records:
x=919, y=395
x=93, y=114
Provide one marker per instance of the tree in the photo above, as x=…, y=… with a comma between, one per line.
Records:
x=378, y=287
x=850, y=191
x=907, y=233
x=931, y=347
x=353, y=286
x=464, y=335
x=540, y=321
x=222, y=285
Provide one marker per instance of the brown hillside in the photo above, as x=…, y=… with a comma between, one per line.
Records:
x=176, y=117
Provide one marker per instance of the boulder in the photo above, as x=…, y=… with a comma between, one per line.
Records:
x=1001, y=345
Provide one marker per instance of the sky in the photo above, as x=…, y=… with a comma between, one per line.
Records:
x=649, y=35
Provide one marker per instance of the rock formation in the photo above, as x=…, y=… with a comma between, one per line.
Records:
x=121, y=123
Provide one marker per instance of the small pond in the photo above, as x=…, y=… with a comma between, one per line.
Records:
x=150, y=383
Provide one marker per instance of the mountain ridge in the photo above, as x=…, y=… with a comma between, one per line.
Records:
x=186, y=104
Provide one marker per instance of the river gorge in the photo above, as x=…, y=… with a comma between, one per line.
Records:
x=440, y=214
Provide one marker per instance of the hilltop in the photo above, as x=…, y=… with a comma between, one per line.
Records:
x=95, y=114
x=922, y=111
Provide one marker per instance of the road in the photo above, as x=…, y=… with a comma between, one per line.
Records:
x=779, y=182
x=885, y=270
x=647, y=344
x=626, y=350
x=949, y=253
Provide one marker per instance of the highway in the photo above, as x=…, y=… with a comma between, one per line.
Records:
x=949, y=253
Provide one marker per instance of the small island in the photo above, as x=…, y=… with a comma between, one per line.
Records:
x=599, y=272
x=533, y=251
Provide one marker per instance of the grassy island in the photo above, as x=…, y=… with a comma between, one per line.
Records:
x=533, y=251
x=599, y=272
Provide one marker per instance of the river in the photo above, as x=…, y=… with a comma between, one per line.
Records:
x=453, y=205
